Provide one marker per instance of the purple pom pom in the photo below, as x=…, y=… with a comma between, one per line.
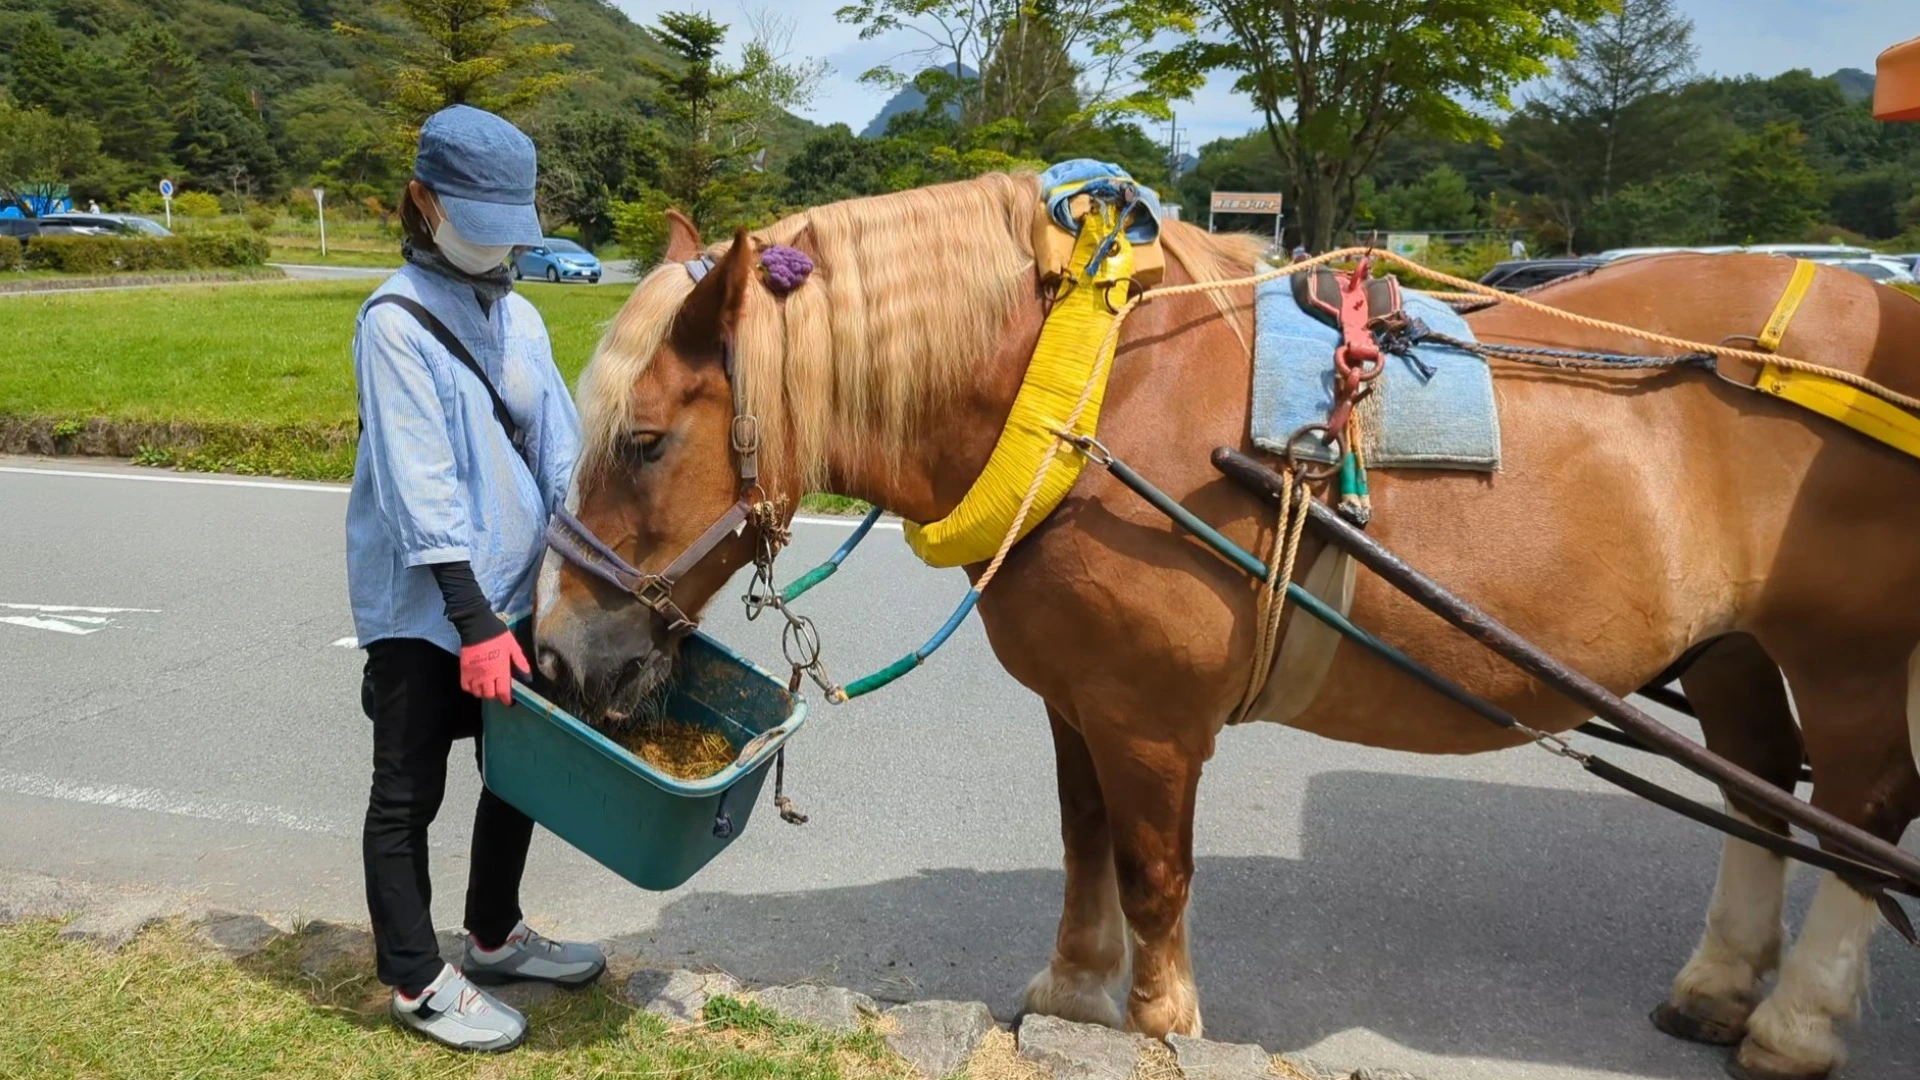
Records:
x=787, y=268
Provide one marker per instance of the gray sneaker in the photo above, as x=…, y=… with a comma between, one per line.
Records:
x=454, y=1012
x=527, y=955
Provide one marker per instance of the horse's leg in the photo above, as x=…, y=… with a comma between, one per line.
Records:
x=1742, y=704
x=1150, y=783
x=1856, y=727
x=1091, y=948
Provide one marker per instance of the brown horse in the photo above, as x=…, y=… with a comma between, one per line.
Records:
x=1637, y=515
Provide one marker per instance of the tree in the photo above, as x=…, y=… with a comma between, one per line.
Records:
x=1438, y=201
x=837, y=164
x=1334, y=79
x=587, y=161
x=1681, y=210
x=37, y=147
x=464, y=52
x=1642, y=49
x=43, y=71
x=712, y=116
x=1767, y=190
x=1064, y=64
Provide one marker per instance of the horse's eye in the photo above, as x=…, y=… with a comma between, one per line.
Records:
x=643, y=447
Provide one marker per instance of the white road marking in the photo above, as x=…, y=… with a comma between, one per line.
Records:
x=336, y=489
x=162, y=478
x=347, y=643
x=36, y=622
x=235, y=811
x=53, y=609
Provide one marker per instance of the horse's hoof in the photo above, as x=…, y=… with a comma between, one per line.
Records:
x=1699, y=1029
x=1756, y=1062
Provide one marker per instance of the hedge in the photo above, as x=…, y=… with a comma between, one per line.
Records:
x=11, y=257
x=107, y=254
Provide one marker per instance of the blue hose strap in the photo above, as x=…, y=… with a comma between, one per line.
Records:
x=825, y=570
x=869, y=683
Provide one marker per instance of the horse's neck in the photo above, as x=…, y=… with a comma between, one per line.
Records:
x=952, y=441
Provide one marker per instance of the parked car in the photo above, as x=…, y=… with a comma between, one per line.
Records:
x=1816, y=252
x=1885, y=271
x=1617, y=254
x=100, y=225
x=557, y=260
x=1911, y=261
x=1518, y=274
x=20, y=228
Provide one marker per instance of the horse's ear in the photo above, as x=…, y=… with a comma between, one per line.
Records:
x=683, y=237
x=711, y=312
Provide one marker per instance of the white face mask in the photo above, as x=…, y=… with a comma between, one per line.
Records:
x=473, y=258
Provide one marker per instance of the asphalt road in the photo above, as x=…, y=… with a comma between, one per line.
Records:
x=1497, y=918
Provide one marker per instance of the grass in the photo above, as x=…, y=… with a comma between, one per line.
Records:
x=1910, y=290
x=167, y=1006
x=253, y=380
x=244, y=379
x=307, y=253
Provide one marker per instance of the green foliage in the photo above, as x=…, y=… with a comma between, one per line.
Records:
x=1335, y=79
x=464, y=52
x=38, y=147
x=196, y=204
x=1438, y=201
x=1682, y=210
x=12, y=256
x=1055, y=67
x=115, y=254
x=1768, y=189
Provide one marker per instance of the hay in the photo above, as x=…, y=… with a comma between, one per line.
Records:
x=681, y=750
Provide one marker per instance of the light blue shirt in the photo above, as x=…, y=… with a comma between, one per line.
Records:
x=436, y=479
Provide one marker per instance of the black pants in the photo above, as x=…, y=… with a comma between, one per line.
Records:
x=412, y=694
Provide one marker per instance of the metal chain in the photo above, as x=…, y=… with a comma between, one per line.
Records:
x=799, y=639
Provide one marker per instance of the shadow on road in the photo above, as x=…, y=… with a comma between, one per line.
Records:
x=1423, y=939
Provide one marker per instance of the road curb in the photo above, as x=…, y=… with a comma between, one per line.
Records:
x=927, y=1035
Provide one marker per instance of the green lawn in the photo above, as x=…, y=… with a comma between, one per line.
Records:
x=243, y=378
x=167, y=1007
x=307, y=253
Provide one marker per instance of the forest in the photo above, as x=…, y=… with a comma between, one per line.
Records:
x=1596, y=132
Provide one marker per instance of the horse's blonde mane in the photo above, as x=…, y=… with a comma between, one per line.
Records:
x=910, y=294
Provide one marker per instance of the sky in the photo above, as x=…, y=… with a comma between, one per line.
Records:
x=1735, y=37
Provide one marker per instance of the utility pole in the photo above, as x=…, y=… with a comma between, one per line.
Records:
x=1174, y=139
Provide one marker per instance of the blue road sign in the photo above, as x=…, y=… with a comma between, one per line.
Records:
x=166, y=189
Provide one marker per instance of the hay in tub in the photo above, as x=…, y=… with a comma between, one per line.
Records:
x=681, y=750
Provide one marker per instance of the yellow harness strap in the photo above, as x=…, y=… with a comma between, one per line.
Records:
x=1063, y=361
x=1859, y=410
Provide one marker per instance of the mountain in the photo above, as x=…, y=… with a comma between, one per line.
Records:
x=1857, y=85
x=909, y=100
x=260, y=95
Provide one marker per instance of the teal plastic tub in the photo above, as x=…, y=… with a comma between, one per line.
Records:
x=648, y=827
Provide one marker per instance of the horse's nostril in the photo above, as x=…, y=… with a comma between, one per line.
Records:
x=551, y=665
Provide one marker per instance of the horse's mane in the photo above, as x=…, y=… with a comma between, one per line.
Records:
x=910, y=296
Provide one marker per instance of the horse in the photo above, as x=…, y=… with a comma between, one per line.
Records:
x=1637, y=516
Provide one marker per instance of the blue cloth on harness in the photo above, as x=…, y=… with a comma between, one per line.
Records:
x=1444, y=421
x=1098, y=178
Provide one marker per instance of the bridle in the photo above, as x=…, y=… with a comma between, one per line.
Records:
x=573, y=541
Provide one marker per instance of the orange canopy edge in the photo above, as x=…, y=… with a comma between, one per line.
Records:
x=1896, y=90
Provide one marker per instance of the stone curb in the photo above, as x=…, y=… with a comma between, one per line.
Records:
x=938, y=1038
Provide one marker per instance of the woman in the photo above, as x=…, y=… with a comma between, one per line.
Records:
x=467, y=445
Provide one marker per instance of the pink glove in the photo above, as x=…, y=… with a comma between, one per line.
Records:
x=486, y=669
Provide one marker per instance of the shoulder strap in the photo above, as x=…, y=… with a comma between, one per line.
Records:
x=452, y=344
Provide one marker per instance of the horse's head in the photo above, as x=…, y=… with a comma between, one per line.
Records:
x=660, y=488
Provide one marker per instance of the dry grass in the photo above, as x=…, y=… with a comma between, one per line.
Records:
x=167, y=1006
x=681, y=750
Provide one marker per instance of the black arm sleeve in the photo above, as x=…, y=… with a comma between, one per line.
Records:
x=467, y=606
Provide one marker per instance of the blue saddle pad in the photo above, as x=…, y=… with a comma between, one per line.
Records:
x=1412, y=420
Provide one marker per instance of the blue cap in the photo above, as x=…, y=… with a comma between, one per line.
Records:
x=482, y=169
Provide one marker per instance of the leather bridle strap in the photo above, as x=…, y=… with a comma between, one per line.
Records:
x=570, y=538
